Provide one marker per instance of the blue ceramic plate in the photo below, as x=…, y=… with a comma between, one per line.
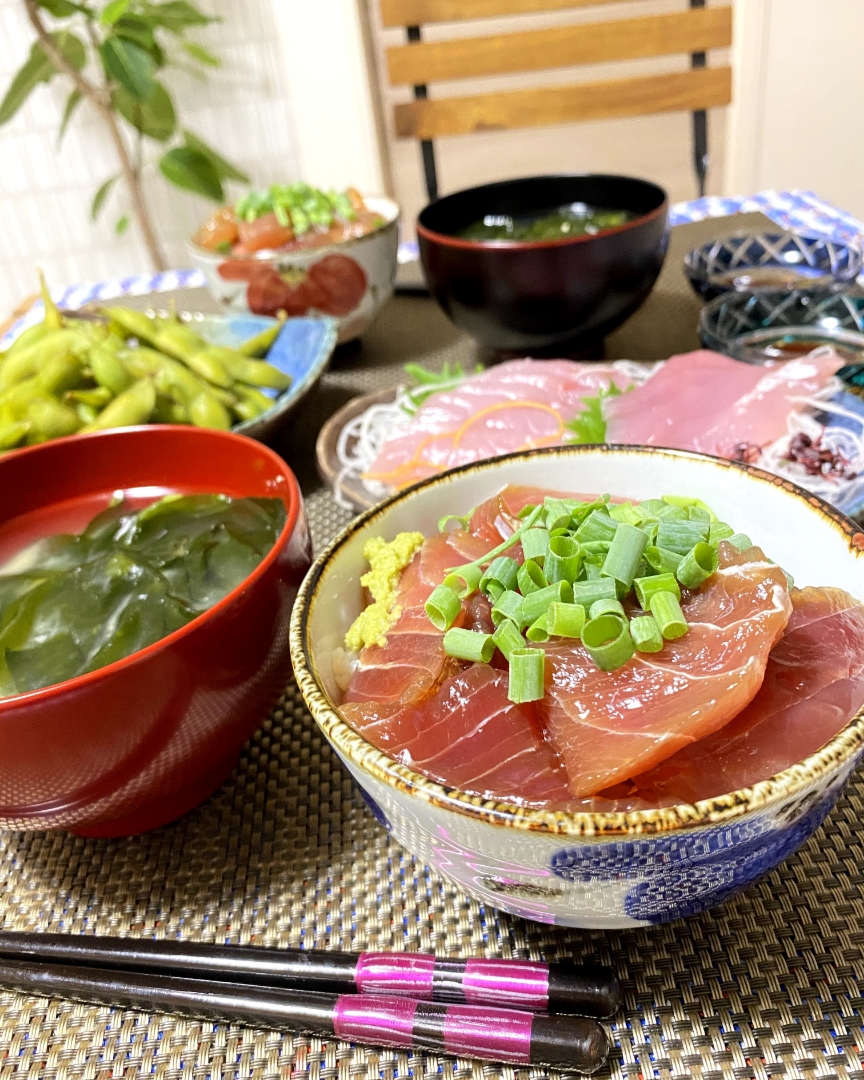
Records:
x=302, y=350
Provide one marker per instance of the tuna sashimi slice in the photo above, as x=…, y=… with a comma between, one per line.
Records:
x=708, y=402
x=517, y=405
x=412, y=662
x=468, y=735
x=609, y=726
x=813, y=686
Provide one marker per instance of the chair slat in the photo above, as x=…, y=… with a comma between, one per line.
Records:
x=695, y=30
x=701, y=88
x=418, y=12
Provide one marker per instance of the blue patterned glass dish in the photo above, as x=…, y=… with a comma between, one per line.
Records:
x=787, y=260
x=769, y=324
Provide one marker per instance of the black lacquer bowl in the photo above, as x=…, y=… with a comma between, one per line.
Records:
x=554, y=296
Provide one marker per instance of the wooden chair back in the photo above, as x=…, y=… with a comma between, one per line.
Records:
x=418, y=63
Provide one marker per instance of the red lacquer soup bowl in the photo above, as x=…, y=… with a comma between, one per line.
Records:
x=136, y=744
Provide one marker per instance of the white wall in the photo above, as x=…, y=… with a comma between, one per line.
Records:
x=244, y=110
x=798, y=116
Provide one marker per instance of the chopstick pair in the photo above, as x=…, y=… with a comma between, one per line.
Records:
x=403, y=1000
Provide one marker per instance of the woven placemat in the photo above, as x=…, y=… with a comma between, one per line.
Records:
x=286, y=853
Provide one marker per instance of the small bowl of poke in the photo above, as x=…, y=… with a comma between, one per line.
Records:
x=146, y=580
x=561, y=678
x=302, y=251
x=544, y=262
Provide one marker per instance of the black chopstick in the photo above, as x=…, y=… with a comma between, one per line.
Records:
x=571, y=1043
x=518, y=984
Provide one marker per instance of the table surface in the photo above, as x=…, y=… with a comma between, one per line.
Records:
x=286, y=854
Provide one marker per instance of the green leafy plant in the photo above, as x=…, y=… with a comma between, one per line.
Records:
x=590, y=425
x=113, y=53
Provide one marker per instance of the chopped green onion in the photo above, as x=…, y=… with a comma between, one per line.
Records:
x=626, y=512
x=608, y=642
x=719, y=531
x=469, y=645
x=564, y=559
x=505, y=545
x=565, y=620
x=681, y=536
x=530, y=577
x=539, y=630
x=696, y=513
x=508, y=638
x=528, y=508
x=597, y=526
x=647, y=586
x=500, y=576
x=672, y=513
x=527, y=675
x=557, y=514
x=790, y=581
x=587, y=592
x=624, y=554
x=535, y=604
x=686, y=501
x=535, y=544
x=646, y=634
x=442, y=607
x=662, y=560
x=582, y=510
x=463, y=520
x=596, y=547
x=464, y=581
x=741, y=541
x=592, y=567
x=697, y=566
x=560, y=531
x=508, y=606
x=652, y=507
x=667, y=611
x=606, y=607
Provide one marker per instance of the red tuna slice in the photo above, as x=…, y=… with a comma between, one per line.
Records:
x=708, y=402
x=517, y=405
x=412, y=662
x=468, y=735
x=608, y=726
x=813, y=686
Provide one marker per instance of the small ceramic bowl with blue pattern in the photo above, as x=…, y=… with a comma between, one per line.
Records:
x=588, y=869
x=782, y=260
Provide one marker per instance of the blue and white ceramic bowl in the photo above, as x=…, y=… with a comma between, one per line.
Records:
x=587, y=869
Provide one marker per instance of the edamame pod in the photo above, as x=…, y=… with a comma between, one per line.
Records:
x=85, y=413
x=210, y=368
x=27, y=338
x=133, y=406
x=50, y=419
x=17, y=399
x=207, y=411
x=31, y=360
x=260, y=343
x=254, y=372
x=169, y=411
x=179, y=341
x=97, y=397
x=250, y=402
x=109, y=370
x=135, y=323
x=12, y=432
x=53, y=319
x=59, y=374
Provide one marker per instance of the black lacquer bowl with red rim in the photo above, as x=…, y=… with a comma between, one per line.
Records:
x=544, y=297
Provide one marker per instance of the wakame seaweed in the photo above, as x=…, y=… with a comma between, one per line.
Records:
x=72, y=603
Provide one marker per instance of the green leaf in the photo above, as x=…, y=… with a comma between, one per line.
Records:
x=590, y=425
x=71, y=47
x=72, y=103
x=431, y=382
x=154, y=117
x=199, y=53
x=122, y=225
x=129, y=65
x=101, y=195
x=224, y=169
x=62, y=9
x=176, y=16
x=36, y=69
x=112, y=11
x=192, y=170
x=137, y=29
